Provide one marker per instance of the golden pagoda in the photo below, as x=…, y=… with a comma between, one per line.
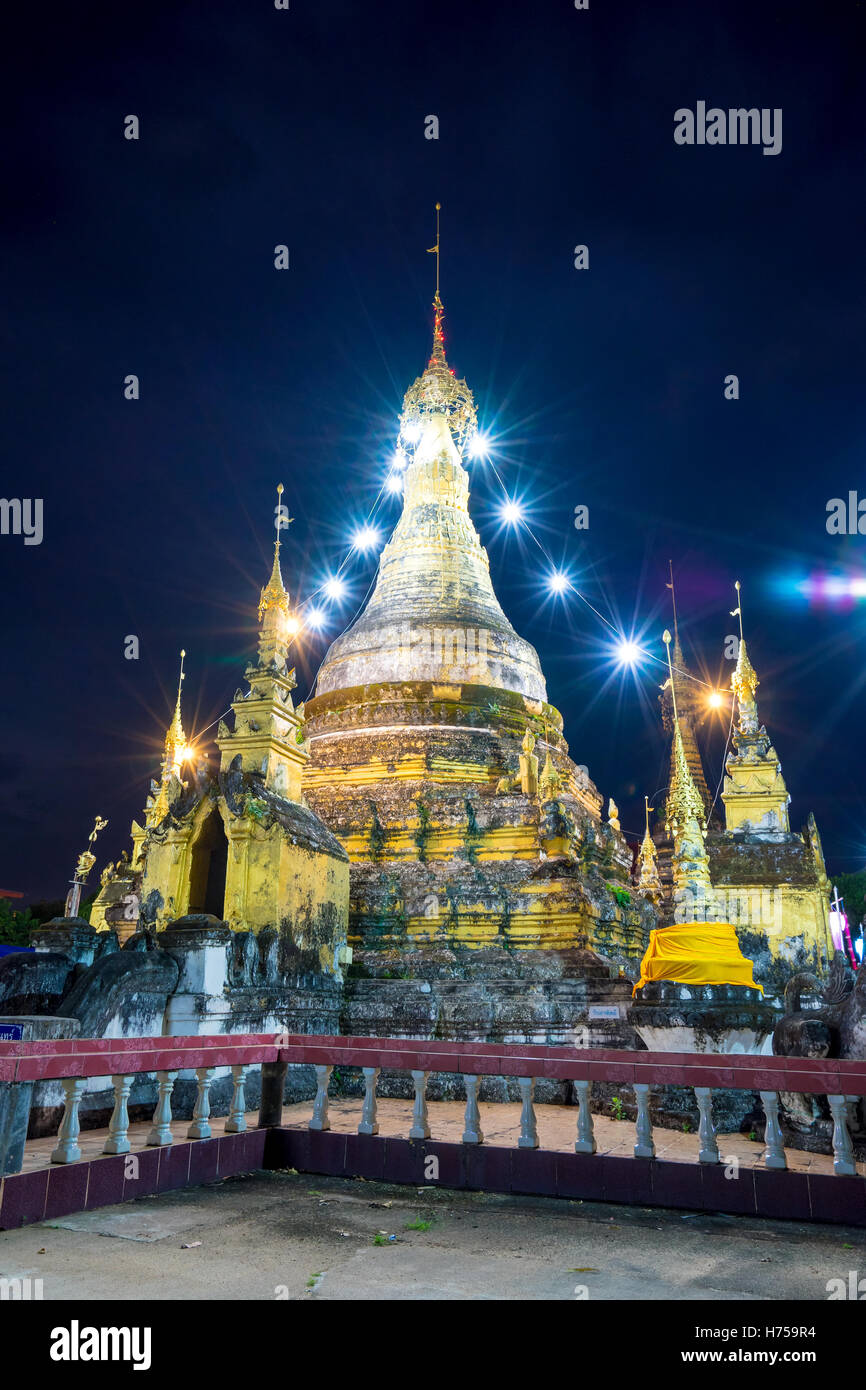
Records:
x=239, y=845
x=428, y=727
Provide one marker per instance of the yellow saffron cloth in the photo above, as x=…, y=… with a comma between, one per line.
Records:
x=696, y=953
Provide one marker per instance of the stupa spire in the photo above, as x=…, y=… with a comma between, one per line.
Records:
x=648, y=881
x=688, y=710
x=744, y=681
x=172, y=760
x=277, y=625
x=433, y=614
x=687, y=825
x=755, y=796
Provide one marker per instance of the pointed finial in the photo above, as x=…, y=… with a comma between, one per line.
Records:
x=282, y=519
x=674, y=602
x=438, y=311
x=667, y=639
x=738, y=611
x=434, y=251
x=744, y=681
x=180, y=678
x=646, y=806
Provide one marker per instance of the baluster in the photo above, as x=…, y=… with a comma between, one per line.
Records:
x=528, y=1130
x=774, y=1153
x=319, y=1118
x=472, y=1132
x=160, y=1133
x=200, y=1127
x=420, y=1128
x=585, y=1143
x=237, y=1120
x=67, y=1150
x=644, y=1147
x=843, y=1150
x=369, y=1124
x=709, y=1150
x=118, y=1126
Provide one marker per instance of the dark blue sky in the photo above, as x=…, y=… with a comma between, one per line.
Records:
x=602, y=387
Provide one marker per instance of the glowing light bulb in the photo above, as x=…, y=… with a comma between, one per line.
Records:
x=714, y=699
x=558, y=583
x=187, y=753
x=365, y=538
x=293, y=626
x=627, y=652
x=334, y=587
x=315, y=618
x=400, y=460
x=512, y=512
x=412, y=433
x=394, y=483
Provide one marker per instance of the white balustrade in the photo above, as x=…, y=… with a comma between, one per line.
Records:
x=472, y=1131
x=118, y=1127
x=369, y=1123
x=585, y=1142
x=843, y=1150
x=200, y=1127
x=644, y=1146
x=528, y=1128
x=774, y=1153
x=66, y=1149
x=237, y=1120
x=420, y=1128
x=319, y=1118
x=160, y=1133
x=709, y=1149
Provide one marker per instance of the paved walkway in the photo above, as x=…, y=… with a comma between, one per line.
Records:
x=279, y=1235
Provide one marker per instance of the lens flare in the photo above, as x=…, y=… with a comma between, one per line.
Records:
x=365, y=538
x=627, y=652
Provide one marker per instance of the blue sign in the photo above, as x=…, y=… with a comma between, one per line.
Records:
x=10, y=1032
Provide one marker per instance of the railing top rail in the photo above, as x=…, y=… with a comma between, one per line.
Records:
x=106, y=1056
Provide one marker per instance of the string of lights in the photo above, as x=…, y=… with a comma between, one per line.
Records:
x=367, y=536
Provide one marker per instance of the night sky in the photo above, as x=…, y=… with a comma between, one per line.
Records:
x=602, y=387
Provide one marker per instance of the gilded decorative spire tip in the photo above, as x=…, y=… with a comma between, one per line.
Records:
x=275, y=595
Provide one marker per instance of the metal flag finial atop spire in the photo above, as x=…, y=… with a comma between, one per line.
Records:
x=180, y=680
x=438, y=354
x=738, y=611
x=674, y=603
x=744, y=681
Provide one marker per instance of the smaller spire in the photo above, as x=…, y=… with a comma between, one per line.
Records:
x=648, y=881
x=173, y=756
x=275, y=594
x=175, y=733
x=744, y=681
x=85, y=863
x=684, y=799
